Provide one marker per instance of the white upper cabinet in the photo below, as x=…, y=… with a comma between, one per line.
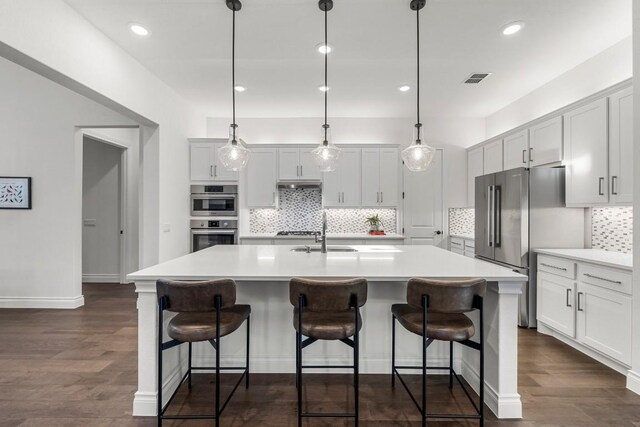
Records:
x=516, y=150
x=297, y=164
x=261, y=178
x=205, y=165
x=475, y=167
x=586, y=153
x=545, y=142
x=380, y=177
x=621, y=146
x=342, y=187
x=493, y=157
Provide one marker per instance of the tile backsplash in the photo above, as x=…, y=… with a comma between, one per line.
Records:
x=461, y=221
x=612, y=229
x=301, y=210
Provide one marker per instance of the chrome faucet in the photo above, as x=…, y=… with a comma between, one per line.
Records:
x=323, y=237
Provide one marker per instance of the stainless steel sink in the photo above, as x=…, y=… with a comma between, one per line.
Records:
x=313, y=249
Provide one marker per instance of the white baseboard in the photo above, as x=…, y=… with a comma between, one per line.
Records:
x=34, y=302
x=100, y=278
x=633, y=382
x=505, y=406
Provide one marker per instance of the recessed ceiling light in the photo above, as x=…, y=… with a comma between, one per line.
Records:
x=405, y=88
x=139, y=29
x=324, y=88
x=512, y=28
x=239, y=88
x=324, y=49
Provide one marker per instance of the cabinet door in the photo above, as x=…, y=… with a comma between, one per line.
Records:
x=621, y=146
x=493, y=157
x=516, y=150
x=201, y=161
x=585, y=144
x=389, y=179
x=370, y=176
x=556, y=300
x=475, y=167
x=351, y=177
x=220, y=173
x=308, y=169
x=261, y=178
x=288, y=164
x=605, y=321
x=545, y=142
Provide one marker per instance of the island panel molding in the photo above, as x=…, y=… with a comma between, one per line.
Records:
x=264, y=285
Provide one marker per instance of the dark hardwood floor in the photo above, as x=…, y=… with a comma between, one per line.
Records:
x=78, y=368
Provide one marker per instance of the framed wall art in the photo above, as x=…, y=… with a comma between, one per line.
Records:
x=15, y=192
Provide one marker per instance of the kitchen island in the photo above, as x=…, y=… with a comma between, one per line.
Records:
x=263, y=273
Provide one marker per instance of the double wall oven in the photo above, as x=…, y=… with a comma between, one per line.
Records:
x=215, y=208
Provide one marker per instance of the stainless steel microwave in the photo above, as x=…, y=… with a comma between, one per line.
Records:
x=214, y=200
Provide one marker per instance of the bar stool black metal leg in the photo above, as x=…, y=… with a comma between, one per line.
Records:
x=424, y=361
x=450, y=364
x=159, y=401
x=248, y=340
x=393, y=351
x=190, y=366
x=218, y=347
x=481, y=364
x=356, y=367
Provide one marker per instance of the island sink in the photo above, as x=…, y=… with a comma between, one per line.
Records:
x=310, y=249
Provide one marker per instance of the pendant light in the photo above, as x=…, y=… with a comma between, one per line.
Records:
x=326, y=155
x=418, y=156
x=234, y=155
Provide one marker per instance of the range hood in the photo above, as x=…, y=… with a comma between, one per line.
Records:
x=300, y=185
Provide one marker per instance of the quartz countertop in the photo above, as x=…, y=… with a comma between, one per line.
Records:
x=596, y=256
x=330, y=236
x=378, y=263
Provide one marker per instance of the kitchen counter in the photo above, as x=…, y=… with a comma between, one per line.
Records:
x=262, y=274
x=596, y=256
x=330, y=236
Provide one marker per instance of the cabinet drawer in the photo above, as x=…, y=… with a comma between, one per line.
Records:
x=470, y=244
x=616, y=280
x=457, y=244
x=469, y=253
x=457, y=251
x=558, y=266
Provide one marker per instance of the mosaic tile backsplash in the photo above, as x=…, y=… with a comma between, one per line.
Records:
x=301, y=210
x=612, y=229
x=461, y=221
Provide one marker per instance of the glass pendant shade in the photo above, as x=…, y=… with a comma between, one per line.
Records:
x=234, y=155
x=417, y=157
x=326, y=155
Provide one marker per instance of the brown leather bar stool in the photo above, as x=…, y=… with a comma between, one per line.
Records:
x=327, y=310
x=436, y=311
x=206, y=311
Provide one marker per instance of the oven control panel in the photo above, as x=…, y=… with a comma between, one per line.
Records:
x=213, y=224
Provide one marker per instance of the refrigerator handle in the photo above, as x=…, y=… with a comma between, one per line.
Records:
x=490, y=215
x=497, y=213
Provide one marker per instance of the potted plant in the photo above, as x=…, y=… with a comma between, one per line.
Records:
x=374, y=223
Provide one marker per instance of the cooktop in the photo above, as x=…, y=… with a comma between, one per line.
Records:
x=298, y=233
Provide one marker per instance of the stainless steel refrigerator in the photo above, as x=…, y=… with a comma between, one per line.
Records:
x=518, y=211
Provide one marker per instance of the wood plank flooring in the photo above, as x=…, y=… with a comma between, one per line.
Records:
x=78, y=368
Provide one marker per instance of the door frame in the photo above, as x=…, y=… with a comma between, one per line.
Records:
x=445, y=223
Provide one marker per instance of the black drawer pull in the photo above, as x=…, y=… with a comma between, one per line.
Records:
x=553, y=266
x=617, y=282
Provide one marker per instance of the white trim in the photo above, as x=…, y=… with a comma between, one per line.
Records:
x=101, y=278
x=35, y=302
x=633, y=382
x=505, y=406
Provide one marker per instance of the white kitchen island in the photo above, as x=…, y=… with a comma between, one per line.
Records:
x=263, y=273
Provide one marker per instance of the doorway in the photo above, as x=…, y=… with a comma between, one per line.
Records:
x=102, y=211
x=423, y=204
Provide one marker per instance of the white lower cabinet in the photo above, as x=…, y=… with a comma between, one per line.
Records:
x=604, y=321
x=590, y=314
x=461, y=246
x=555, y=303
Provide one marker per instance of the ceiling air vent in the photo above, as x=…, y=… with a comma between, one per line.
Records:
x=476, y=78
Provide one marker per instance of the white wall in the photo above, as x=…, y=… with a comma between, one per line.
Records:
x=600, y=72
x=53, y=39
x=100, y=211
x=40, y=258
x=633, y=378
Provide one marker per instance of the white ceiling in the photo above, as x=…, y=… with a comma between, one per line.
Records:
x=374, y=41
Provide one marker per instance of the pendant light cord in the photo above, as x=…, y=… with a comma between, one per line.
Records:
x=233, y=72
x=418, y=124
x=326, y=79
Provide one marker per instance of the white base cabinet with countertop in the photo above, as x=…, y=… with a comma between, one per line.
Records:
x=584, y=299
x=463, y=246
